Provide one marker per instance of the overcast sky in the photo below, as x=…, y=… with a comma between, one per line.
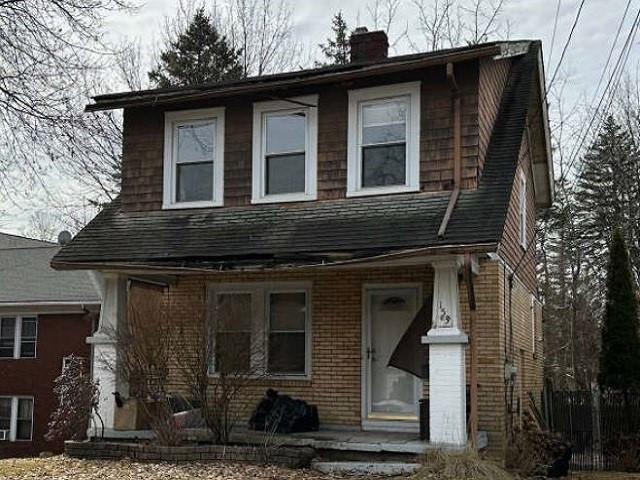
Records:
x=530, y=19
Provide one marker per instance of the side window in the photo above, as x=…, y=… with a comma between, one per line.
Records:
x=18, y=337
x=523, y=210
x=16, y=419
x=7, y=337
x=193, y=158
x=285, y=150
x=232, y=320
x=384, y=140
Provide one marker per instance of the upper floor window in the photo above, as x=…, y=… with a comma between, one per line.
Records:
x=522, y=200
x=384, y=140
x=285, y=137
x=18, y=337
x=194, y=158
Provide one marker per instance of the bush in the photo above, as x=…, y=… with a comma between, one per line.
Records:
x=77, y=397
x=439, y=465
x=625, y=450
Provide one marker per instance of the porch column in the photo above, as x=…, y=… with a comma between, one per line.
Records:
x=103, y=341
x=446, y=340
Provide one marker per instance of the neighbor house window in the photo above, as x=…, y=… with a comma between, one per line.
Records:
x=16, y=418
x=384, y=137
x=285, y=149
x=18, y=336
x=193, y=158
x=261, y=329
x=523, y=210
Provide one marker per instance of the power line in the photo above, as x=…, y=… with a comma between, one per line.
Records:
x=566, y=45
x=555, y=28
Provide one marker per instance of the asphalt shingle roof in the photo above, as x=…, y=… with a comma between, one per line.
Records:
x=27, y=277
x=316, y=230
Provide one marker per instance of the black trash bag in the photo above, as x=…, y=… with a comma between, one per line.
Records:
x=559, y=467
x=283, y=414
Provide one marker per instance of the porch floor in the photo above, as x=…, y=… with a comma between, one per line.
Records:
x=348, y=440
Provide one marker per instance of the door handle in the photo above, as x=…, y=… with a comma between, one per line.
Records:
x=371, y=354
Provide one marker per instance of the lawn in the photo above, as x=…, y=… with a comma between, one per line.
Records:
x=61, y=468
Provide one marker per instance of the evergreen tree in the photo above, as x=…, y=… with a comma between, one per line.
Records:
x=197, y=56
x=336, y=49
x=608, y=195
x=620, y=355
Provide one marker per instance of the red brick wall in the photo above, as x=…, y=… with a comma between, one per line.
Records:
x=58, y=335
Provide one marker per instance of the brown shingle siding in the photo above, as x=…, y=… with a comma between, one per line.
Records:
x=143, y=140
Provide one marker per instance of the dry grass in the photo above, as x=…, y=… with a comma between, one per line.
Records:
x=604, y=476
x=61, y=468
x=468, y=465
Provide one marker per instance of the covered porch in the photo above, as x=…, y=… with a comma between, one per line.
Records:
x=348, y=322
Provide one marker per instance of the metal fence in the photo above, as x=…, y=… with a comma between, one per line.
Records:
x=603, y=428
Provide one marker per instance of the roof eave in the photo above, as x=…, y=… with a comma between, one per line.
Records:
x=151, y=98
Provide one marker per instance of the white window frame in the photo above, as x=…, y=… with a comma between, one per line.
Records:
x=175, y=119
x=360, y=97
x=17, y=336
x=260, y=112
x=13, y=427
x=522, y=210
x=260, y=323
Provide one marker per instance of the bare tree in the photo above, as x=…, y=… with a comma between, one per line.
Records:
x=47, y=49
x=219, y=360
x=145, y=345
x=451, y=23
x=262, y=31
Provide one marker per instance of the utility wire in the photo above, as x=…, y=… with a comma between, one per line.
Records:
x=566, y=45
x=555, y=29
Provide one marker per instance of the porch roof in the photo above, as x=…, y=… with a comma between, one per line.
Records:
x=317, y=231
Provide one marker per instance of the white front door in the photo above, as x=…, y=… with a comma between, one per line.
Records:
x=390, y=395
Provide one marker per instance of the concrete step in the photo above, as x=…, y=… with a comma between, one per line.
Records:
x=365, y=468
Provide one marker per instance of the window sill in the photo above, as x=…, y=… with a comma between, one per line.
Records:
x=189, y=205
x=268, y=378
x=286, y=198
x=368, y=192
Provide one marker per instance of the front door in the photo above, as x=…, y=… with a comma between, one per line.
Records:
x=390, y=395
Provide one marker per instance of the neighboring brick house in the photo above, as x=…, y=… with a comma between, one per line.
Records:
x=330, y=204
x=44, y=316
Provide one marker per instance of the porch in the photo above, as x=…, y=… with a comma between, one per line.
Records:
x=350, y=321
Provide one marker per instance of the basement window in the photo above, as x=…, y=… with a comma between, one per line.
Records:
x=193, y=158
x=384, y=137
x=16, y=419
x=18, y=337
x=284, y=150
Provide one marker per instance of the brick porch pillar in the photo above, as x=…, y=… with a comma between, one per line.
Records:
x=103, y=342
x=447, y=342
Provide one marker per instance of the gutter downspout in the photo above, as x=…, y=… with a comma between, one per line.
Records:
x=457, y=147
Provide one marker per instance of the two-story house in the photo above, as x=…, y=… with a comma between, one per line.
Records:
x=330, y=204
x=44, y=316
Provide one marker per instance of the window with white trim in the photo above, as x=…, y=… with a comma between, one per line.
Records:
x=285, y=137
x=384, y=140
x=523, y=210
x=194, y=158
x=18, y=336
x=16, y=418
x=261, y=329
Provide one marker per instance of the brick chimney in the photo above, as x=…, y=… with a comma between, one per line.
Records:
x=368, y=46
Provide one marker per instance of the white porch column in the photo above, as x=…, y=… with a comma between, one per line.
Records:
x=447, y=382
x=104, y=347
